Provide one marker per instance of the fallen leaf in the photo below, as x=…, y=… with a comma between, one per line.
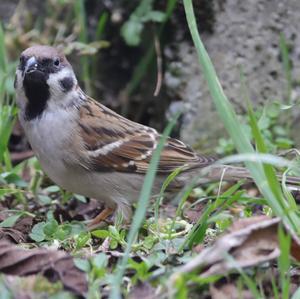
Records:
x=19, y=232
x=229, y=291
x=195, y=213
x=250, y=242
x=55, y=265
x=11, y=235
x=10, y=221
x=24, y=225
x=246, y=222
x=142, y=290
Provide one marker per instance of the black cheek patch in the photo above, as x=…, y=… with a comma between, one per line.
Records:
x=67, y=83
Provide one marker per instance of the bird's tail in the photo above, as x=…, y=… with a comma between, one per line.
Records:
x=226, y=173
x=234, y=173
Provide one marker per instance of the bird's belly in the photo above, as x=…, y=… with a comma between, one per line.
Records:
x=111, y=188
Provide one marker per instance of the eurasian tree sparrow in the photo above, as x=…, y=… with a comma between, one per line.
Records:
x=87, y=148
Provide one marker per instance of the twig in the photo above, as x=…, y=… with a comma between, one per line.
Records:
x=159, y=66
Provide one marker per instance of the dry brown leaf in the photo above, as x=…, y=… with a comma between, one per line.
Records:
x=55, y=265
x=250, y=242
x=24, y=225
x=19, y=232
x=143, y=291
x=11, y=235
x=229, y=291
x=246, y=222
x=193, y=214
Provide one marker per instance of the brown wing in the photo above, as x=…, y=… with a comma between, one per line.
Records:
x=114, y=142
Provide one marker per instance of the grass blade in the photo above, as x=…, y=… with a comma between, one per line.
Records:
x=140, y=212
x=233, y=127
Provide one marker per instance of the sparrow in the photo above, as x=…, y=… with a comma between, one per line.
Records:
x=88, y=149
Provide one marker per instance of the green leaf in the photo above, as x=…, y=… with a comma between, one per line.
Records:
x=63, y=232
x=286, y=107
x=82, y=264
x=100, y=260
x=50, y=215
x=82, y=239
x=10, y=221
x=80, y=198
x=78, y=228
x=100, y=233
x=44, y=199
x=284, y=143
x=4, y=192
x=296, y=295
x=149, y=241
x=113, y=244
x=132, y=29
x=264, y=121
x=181, y=288
x=273, y=109
x=13, y=178
x=280, y=131
x=131, y=32
x=155, y=16
x=37, y=233
x=50, y=227
x=5, y=292
x=52, y=189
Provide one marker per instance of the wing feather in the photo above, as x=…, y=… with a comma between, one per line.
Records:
x=116, y=143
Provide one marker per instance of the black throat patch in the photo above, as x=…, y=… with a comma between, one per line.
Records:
x=37, y=93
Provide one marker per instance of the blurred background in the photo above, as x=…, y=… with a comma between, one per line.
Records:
x=137, y=58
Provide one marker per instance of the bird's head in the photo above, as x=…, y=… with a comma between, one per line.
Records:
x=44, y=78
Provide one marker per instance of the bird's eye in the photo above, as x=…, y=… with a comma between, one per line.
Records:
x=56, y=62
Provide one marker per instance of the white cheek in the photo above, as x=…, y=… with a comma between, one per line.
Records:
x=20, y=94
x=59, y=97
x=53, y=82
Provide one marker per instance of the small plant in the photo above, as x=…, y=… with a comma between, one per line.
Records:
x=133, y=27
x=50, y=231
x=275, y=134
x=163, y=237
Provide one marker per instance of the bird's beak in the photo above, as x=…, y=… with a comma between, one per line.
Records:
x=31, y=65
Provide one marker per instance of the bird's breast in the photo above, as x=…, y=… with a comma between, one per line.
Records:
x=51, y=137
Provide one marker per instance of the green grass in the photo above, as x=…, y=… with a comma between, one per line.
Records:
x=263, y=175
x=152, y=248
x=140, y=212
x=143, y=65
x=7, y=109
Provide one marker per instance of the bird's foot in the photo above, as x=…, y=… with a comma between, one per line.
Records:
x=97, y=222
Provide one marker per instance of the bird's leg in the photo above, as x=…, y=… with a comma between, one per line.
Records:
x=99, y=218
